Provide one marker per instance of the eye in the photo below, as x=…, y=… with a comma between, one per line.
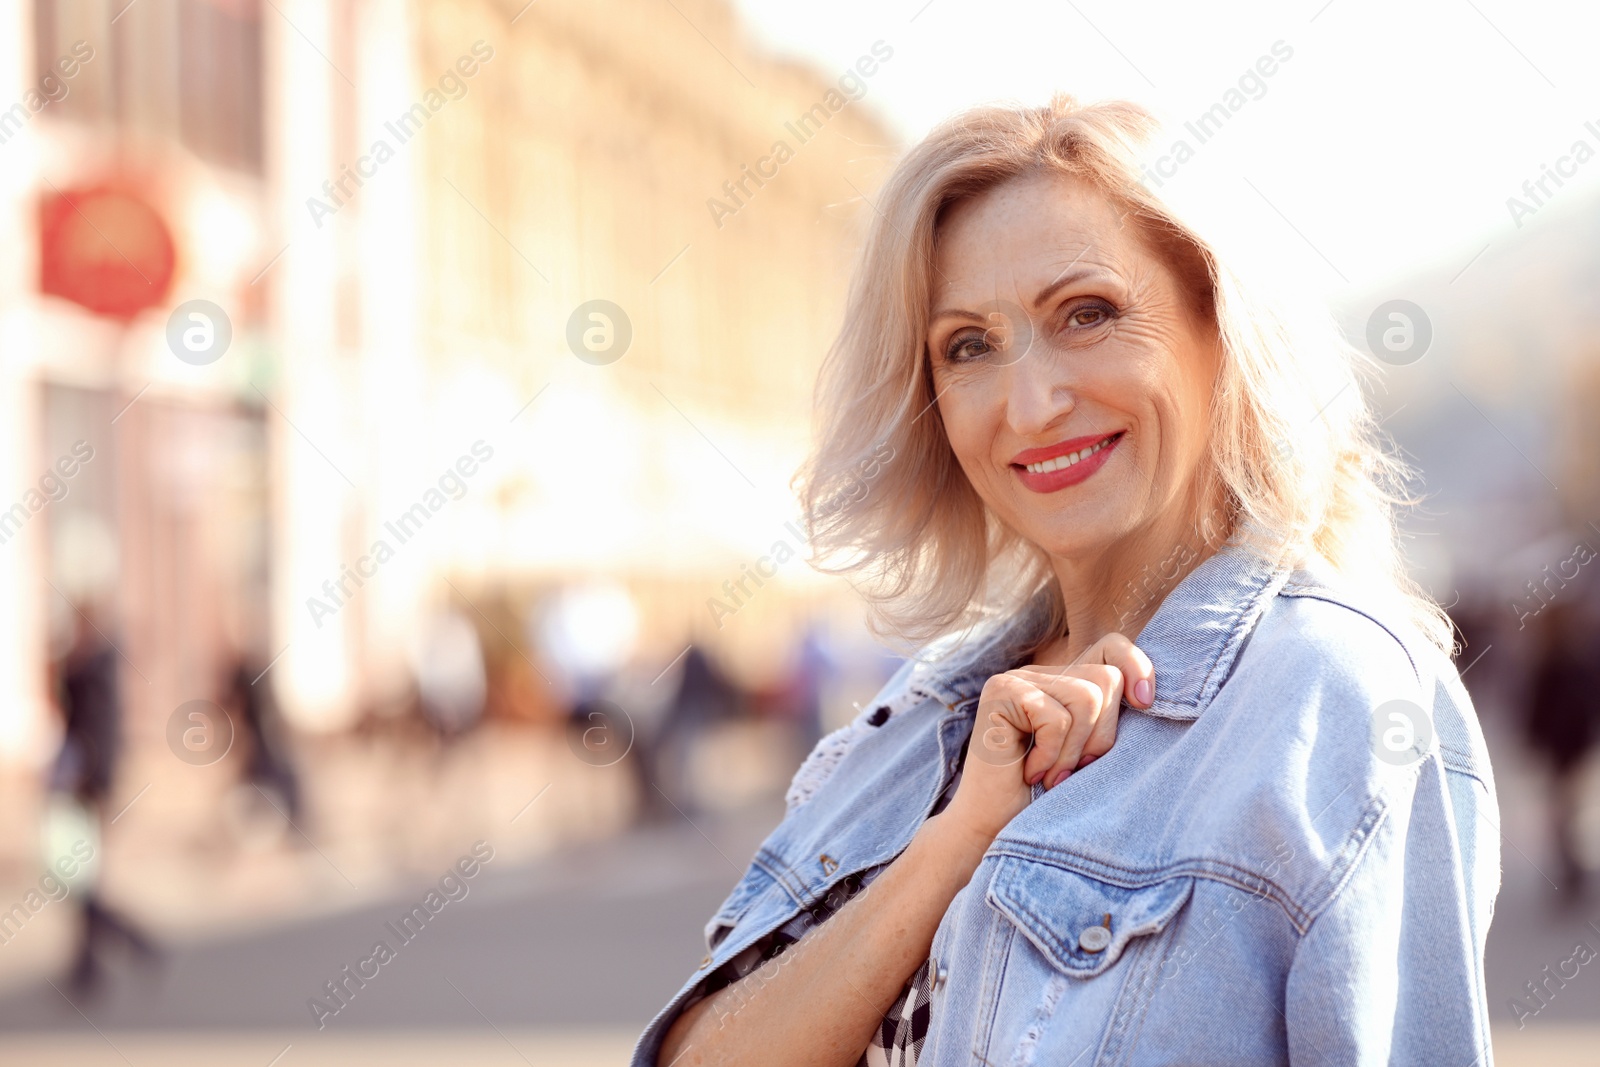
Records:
x=1086, y=316
x=965, y=346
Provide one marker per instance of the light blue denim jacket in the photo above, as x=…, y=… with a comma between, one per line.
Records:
x=1280, y=870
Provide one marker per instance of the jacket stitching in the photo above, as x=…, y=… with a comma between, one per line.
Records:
x=1328, y=596
x=1360, y=840
x=1348, y=856
x=1141, y=976
x=997, y=957
x=1145, y=877
x=1251, y=605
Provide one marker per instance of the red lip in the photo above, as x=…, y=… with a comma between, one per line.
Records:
x=1053, y=481
x=1061, y=448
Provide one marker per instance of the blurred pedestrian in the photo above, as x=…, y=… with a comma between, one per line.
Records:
x=451, y=681
x=1480, y=620
x=1562, y=722
x=588, y=634
x=705, y=697
x=271, y=766
x=80, y=786
x=814, y=673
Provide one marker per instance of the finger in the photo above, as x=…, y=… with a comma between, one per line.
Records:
x=1103, y=733
x=1001, y=728
x=1051, y=723
x=1083, y=694
x=1102, y=726
x=1117, y=651
x=1102, y=736
x=1060, y=681
x=1084, y=701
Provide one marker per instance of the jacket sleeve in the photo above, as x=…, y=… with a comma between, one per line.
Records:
x=1390, y=971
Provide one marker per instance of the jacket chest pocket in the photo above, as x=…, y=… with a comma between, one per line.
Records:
x=1050, y=1003
x=1082, y=924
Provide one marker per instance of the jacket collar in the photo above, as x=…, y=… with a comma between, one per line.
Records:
x=1192, y=639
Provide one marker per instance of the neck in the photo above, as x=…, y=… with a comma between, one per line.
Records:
x=1118, y=588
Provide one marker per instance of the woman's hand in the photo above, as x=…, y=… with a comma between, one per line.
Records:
x=1041, y=722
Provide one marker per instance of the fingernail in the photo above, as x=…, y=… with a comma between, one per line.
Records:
x=1085, y=761
x=1143, y=690
x=1035, y=778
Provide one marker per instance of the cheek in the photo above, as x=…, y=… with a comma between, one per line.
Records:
x=966, y=443
x=1181, y=417
x=970, y=430
x=968, y=421
x=1134, y=383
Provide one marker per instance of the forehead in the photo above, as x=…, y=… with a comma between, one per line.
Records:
x=1026, y=231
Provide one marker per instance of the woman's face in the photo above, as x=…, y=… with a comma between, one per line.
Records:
x=1073, y=380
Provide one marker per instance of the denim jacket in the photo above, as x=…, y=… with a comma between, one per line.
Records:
x=1291, y=857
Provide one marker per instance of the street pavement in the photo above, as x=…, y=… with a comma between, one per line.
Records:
x=598, y=936
x=563, y=959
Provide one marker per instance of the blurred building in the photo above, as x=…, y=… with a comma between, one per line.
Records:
x=403, y=212
x=132, y=154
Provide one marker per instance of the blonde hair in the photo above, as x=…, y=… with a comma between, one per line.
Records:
x=1312, y=474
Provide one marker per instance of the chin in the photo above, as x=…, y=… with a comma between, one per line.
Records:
x=1069, y=539
x=1087, y=528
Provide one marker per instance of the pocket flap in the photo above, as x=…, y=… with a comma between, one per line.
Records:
x=1056, y=908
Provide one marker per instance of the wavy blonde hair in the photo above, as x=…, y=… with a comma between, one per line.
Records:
x=1312, y=474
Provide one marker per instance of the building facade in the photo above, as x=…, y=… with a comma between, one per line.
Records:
x=518, y=296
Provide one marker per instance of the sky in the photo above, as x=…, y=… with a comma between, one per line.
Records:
x=1389, y=140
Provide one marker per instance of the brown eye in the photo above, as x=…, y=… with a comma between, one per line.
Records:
x=966, y=346
x=1093, y=315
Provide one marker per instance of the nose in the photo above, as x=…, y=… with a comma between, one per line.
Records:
x=1039, y=393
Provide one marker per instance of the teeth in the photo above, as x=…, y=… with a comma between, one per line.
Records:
x=1067, y=460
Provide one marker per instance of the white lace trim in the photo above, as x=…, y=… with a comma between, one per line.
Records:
x=822, y=762
x=950, y=653
x=832, y=749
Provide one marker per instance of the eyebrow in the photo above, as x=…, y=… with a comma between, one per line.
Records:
x=1064, y=279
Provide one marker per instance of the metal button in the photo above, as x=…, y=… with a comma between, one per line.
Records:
x=829, y=864
x=941, y=974
x=1096, y=938
x=704, y=964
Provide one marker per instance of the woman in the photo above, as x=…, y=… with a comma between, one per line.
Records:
x=1096, y=430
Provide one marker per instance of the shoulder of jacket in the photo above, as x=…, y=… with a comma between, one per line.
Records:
x=1334, y=626
x=1365, y=702
x=828, y=753
x=915, y=681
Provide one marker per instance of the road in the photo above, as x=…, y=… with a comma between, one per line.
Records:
x=599, y=936
x=582, y=947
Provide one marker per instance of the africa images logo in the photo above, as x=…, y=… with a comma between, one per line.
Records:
x=852, y=86
x=452, y=887
x=452, y=86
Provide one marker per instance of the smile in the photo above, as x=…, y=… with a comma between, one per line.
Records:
x=1069, y=459
x=1046, y=470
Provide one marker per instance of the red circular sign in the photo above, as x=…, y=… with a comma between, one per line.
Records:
x=106, y=249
